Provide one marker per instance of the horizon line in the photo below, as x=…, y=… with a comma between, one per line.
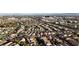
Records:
x=39, y=14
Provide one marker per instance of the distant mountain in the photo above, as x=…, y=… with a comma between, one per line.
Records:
x=39, y=14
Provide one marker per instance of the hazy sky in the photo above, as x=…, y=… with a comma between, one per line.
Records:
x=39, y=6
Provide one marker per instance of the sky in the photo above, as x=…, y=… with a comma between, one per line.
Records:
x=39, y=6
